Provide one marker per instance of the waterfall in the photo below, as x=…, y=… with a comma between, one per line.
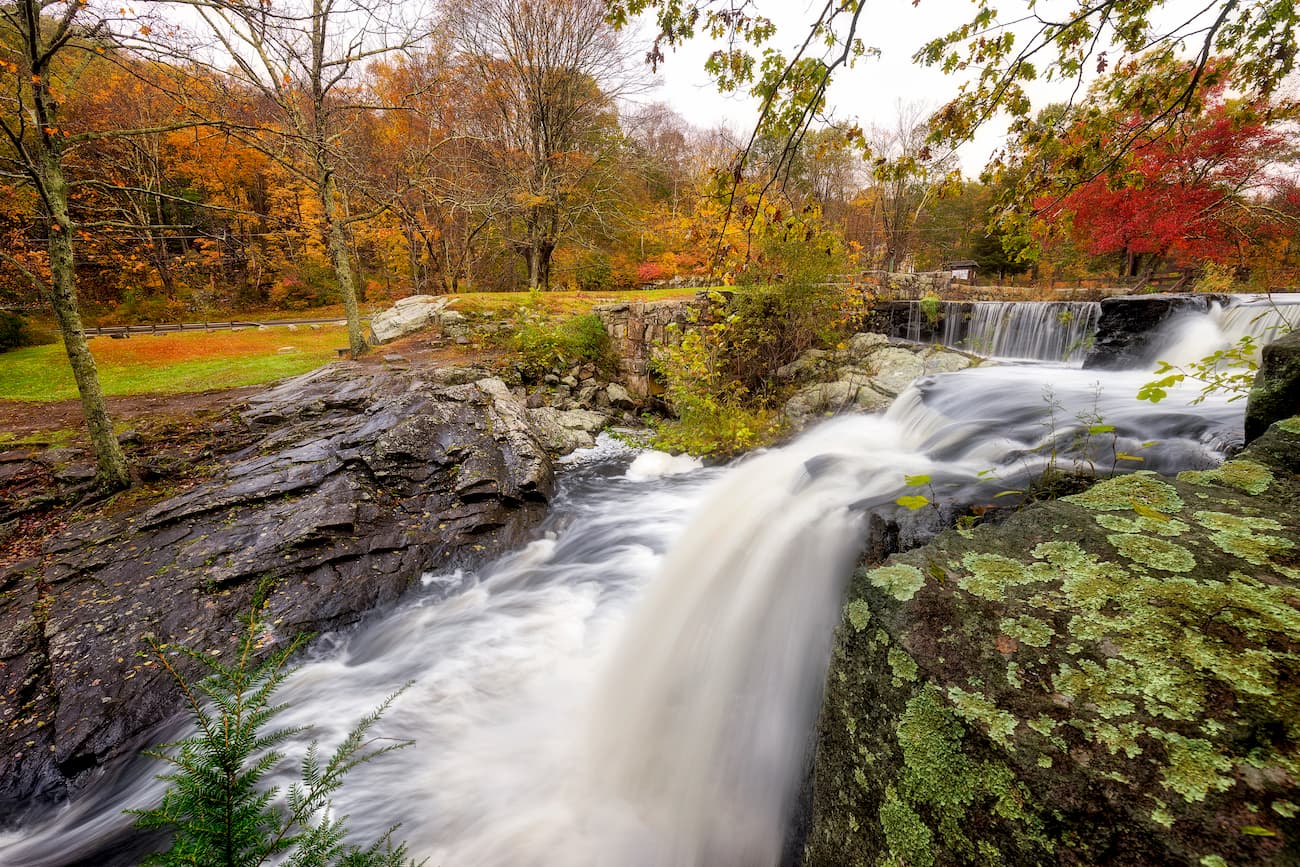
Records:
x=638, y=686
x=1197, y=336
x=1058, y=331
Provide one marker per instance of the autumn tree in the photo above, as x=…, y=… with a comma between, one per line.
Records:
x=549, y=73
x=295, y=92
x=1192, y=186
x=48, y=50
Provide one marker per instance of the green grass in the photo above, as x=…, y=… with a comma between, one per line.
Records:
x=171, y=363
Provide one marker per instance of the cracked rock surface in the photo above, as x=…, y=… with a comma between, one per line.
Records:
x=365, y=479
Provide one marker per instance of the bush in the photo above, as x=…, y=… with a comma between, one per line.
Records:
x=543, y=344
x=712, y=414
x=214, y=806
x=594, y=273
x=13, y=331
x=650, y=272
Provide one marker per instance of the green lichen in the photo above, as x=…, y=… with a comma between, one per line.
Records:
x=1258, y=550
x=1213, y=861
x=1161, y=815
x=1194, y=767
x=858, y=614
x=908, y=838
x=1043, y=725
x=1137, y=491
x=899, y=580
x=1290, y=425
x=978, y=710
x=1285, y=808
x=1153, y=553
x=1044, y=761
x=1243, y=475
x=1145, y=525
x=992, y=574
x=1223, y=522
x=902, y=665
x=1028, y=630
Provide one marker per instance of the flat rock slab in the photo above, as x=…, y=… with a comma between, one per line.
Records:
x=367, y=478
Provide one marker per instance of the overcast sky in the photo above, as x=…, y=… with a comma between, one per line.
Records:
x=870, y=92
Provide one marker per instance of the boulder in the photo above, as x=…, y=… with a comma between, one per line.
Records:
x=893, y=369
x=1110, y=678
x=1276, y=392
x=363, y=478
x=1127, y=322
x=937, y=359
x=563, y=431
x=407, y=316
x=852, y=393
x=619, y=397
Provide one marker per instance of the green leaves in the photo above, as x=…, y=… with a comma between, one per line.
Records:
x=215, y=805
x=913, y=502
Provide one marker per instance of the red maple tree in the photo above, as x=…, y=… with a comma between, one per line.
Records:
x=1189, y=191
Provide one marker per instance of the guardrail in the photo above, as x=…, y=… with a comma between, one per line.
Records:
x=173, y=327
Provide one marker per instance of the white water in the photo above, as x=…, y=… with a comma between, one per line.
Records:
x=1056, y=331
x=1196, y=337
x=638, y=686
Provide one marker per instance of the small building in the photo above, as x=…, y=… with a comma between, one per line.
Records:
x=961, y=269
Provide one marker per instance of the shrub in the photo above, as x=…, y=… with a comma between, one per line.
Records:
x=13, y=331
x=712, y=415
x=650, y=272
x=543, y=344
x=593, y=273
x=215, y=806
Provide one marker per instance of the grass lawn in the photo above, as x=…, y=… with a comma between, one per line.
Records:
x=170, y=363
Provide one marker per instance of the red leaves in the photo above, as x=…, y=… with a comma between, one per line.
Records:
x=1184, y=192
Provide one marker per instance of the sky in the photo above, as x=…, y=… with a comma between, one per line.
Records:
x=868, y=93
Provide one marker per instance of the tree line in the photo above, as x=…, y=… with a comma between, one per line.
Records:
x=294, y=153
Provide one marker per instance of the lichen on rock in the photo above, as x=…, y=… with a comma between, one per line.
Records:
x=1111, y=678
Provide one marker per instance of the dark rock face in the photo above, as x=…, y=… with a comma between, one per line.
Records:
x=366, y=479
x=1127, y=321
x=1109, y=678
x=1276, y=393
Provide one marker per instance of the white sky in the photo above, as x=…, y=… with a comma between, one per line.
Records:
x=870, y=92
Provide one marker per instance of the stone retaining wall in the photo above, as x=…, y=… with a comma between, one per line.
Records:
x=639, y=328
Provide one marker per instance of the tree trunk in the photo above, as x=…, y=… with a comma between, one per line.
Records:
x=113, y=472
x=341, y=258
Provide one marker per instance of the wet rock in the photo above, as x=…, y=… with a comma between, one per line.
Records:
x=1127, y=321
x=563, y=431
x=805, y=366
x=619, y=397
x=369, y=477
x=1109, y=678
x=894, y=369
x=1276, y=392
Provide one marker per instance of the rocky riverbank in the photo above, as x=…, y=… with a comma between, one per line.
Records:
x=358, y=479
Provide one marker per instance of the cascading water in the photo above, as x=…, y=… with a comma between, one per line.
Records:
x=1195, y=337
x=638, y=686
x=1057, y=331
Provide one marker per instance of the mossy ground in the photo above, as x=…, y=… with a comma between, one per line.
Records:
x=1110, y=678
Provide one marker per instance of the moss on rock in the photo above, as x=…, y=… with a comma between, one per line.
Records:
x=1131, y=695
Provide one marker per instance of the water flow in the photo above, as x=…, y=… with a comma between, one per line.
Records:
x=637, y=687
x=1056, y=331
x=1198, y=336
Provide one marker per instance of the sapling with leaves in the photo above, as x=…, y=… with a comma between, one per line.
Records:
x=217, y=804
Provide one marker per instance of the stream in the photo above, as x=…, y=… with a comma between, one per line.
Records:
x=637, y=687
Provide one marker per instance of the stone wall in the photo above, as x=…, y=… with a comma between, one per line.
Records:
x=639, y=328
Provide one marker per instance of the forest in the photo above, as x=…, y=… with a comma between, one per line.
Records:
x=265, y=161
